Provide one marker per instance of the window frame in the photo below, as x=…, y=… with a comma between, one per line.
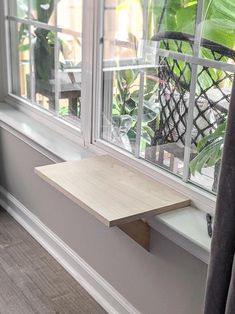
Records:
x=79, y=132
x=202, y=199
x=92, y=97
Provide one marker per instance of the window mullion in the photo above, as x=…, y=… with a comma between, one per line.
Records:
x=140, y=113
x=98, y=69
x=142, y=76
x=88, y=18
x=5, y=82
x=193, y=85
x=31, y=59
x=56, y=70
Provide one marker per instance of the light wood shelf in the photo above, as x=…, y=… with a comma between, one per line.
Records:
x=110, y=190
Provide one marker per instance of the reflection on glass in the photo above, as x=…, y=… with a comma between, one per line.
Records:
x=69, y=15
x=18, y=8
x=210, y=116
x=120, y=111
x=134, y=28
x=70, y=57
x=43, y=11
x=44, y=67
x=20, y=64
x=163, y=94
x=171, y=16
x=165, y=133
x=123, y=29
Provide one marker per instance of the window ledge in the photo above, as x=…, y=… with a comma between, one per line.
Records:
x=186, y=227
x=49, y=142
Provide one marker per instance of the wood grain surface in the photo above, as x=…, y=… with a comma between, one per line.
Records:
x=110, y=190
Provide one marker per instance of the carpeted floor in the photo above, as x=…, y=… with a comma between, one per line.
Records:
x=31, y=281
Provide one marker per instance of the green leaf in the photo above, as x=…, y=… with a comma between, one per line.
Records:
x=207, y=157
x=122, y=123
x=216, y=134
x=23, y=48
x=147, y=129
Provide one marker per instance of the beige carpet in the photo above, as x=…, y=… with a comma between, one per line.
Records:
x=31, y=281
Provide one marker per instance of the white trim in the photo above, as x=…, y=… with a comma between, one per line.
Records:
x=40, y=137
x=109, y=298
x=4, y=49
x=45, y=117
x=42, y=150
x=87, y=69
x=187, y=228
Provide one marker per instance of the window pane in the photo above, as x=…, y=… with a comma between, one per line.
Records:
x=165, y=112
x=210, y=116
x=123, y=29
x=147, y=95
x=120, y=110
x=69, y=15
x=43, y=11
x=19, y=8
x=133, y=28
x=70, y=58
x=20, y=64
x=44, y=67
x=219, y=30
x=46, y=63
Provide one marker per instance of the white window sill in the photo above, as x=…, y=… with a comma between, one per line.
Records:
x=53, y=144
x=186, y=227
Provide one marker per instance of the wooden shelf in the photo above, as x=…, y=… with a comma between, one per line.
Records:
x=110, y=190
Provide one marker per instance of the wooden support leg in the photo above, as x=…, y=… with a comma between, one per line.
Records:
x=139, y=231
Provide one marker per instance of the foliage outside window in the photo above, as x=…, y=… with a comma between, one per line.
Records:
x=170, y=84
x=46, y=69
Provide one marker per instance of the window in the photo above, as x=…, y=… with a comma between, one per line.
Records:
x=158, y=73
x=167, y=73
x=46, y=54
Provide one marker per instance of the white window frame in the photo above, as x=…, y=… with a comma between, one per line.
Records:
x=202, y=199
x=92, y=84
x=79, y=132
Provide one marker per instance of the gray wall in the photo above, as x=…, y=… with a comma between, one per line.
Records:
x=166, y=281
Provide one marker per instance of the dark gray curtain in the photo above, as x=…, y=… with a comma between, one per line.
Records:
x=220, y=291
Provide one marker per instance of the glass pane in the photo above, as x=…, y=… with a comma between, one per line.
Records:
x=210, y=116
x=70, y=57
x=69, y=15
x=20, y=64
x=219, y=30
x=164, y=119
x=120, y=110
x=123, y=29
x=171, y=24
x=43, y=11
x=44, y=67
x=135, y=28
x=19, y=8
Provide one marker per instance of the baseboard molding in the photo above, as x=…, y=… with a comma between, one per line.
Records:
x=109, y=298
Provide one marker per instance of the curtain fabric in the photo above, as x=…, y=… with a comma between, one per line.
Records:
x=220, y=290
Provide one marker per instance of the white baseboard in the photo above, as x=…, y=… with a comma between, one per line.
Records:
x=110, y=299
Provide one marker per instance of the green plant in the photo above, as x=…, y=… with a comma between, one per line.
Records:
x=209, y=149
x=218, y=27
x=125, y=106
